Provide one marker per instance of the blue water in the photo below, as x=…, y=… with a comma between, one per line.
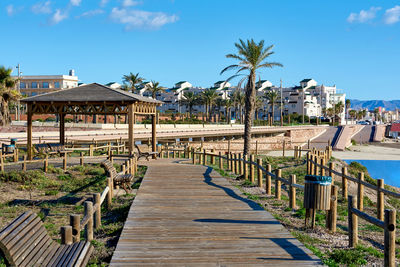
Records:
x=389, y=170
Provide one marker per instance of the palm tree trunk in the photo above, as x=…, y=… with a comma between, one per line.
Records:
x=249, y=107
x=273, y=114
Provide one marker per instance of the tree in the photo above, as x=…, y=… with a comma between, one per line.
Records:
x=348, y=105
x=209, y=97
x=228, y=105
x=238, y=101
x=352, y=114
x=258, y=104
x=190, y=100
x=272, y=96
x=7, y=94
x=338, y=110
x=154, y=87
x=252, y=56
x=131, y=81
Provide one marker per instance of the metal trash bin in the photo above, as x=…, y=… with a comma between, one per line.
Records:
x=317, y=192
x=8, y=149
x=13, y=141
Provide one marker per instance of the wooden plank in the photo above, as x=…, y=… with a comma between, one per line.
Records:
x=50, y=252
x=73, y=256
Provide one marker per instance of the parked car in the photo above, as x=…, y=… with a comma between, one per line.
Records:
x=363, y=122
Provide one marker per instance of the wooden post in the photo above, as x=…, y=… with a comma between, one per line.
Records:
x=24, y=164
x=81, y=159
x=212, y=157
x=259, y=173
x=241, y=164
x=380, y=202
x=278, y=174
x=66, y=235
x=88, y=209
x=322, y=166
x=221, y=163
x=333, y=209
x=62, y=128
x=65, y=161
x=110, y=192
x=344, y=183
x=229, y=146
x=46, y=163
x=154, y=134
x=75, y=222
x=308, y=162
x=131, y=122
x=331, y=169
x=97, y=212
x=193, y=157
x=268, y=180
x=1, y=161
x=360, y=196
x=353, y=222
x=246, y=167
x=91, y=150
x=204, y=157
x=292, y=192
x=228, y=162
x=308, y=144
x=390, y=238
x=29, y=132
x=283, y=147
x=236, y=162
x=252, y=160
x=256, y=147
x=16, y=154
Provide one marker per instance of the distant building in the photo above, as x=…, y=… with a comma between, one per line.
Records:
x=31, y=85
x=114, y=85
x=394, y=130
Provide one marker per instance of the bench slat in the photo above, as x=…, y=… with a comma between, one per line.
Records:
x=47, y=257
x=73, y=257
x=61, y=250
x=70, y=251
x=14, y=224
x=44, y=250
x=24, y=245
x=35, y=247
x=19, y=232
x=84, y=256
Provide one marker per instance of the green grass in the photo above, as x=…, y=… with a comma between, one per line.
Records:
x=348, y=257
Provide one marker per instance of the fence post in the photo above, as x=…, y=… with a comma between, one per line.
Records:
x=110, y=192
x=88, y=205
x=252, y=160
x=308, y=162
x=344, y=183
x=1, y=162
x=204, y=157
x=91, y=150
x=66, y=235
x=322, y=166
x=292, y=192
x=81, y=159
x=75, y=222
x=353, y=222
x=380, y=202
x=278, y=174
x=360, y=196
x=46, y=163
x=283, y=147
x=331, y=174
x=237, y=163
x=16, y=154
x=268, y=180
x=221, y=163
x=24, y=164
x=212, y=157
x=390, y=238
x=241, y=164
x=65, y=161
x=97, y=212
x=332, y=213
x=259, y=173
x=256, y=147
x=246, y=167
x=193, y=157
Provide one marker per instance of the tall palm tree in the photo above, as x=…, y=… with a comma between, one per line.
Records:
x=257, y=106
x=7, y=94
x=239, y=100
x=347, y=105
x=339, y=108
x=272, y=96
x=352, y=114
x=252, y=56
x=228, y=105
x=209, y=97
x=154, y=87
x=131, y=81
x=190, y=100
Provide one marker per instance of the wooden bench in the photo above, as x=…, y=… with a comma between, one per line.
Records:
x=25, y=242
x=49, y=148
x=120, y=179
x=145, y=154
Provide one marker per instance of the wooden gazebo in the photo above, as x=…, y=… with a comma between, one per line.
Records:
x=91, y=99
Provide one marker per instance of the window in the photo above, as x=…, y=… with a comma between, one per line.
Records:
x=34, y=93
x=57, y=85
x=34, y=84
x=22, y=85
x=45, y=85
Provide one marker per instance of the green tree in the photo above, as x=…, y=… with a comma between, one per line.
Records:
x=7, y=94
x=272, y=97
x=339, y=108
x=131, y=81
x=348, y=105
x=190, y=100
x=239, y=99
x=154, y=87
x=209, y=96
x=228, y=105
x=252, y=57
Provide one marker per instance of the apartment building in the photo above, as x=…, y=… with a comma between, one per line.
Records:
x=31, y=85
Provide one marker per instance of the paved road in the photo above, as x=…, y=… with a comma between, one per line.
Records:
x=366, y=135
x=185, y=215
x=321, y=141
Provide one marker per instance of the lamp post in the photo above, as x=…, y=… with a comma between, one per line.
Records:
x=281, y=106
x=302, y=90
x=19, y=92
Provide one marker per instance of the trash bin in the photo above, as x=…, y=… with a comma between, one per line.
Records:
x=14, y=141
x=8, y=149
x=317, y=192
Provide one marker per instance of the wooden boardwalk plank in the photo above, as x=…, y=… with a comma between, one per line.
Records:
x=188, y=215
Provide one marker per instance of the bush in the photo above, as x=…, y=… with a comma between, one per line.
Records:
x=348, y=257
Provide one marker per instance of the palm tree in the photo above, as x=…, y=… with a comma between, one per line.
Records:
x=228, y=105
x=252, y=57
x=131, y=81
x=154, y=87
x=352, y=114
x=272, y=97
x=258, y=104
x=348, y=105
x=190, y=100
x=7, y=94
x=209, y=97
x=339, y=108
x=239, y=100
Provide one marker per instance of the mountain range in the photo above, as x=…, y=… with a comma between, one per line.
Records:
x=372, y=104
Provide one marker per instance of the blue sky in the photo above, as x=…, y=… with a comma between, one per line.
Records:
x=353, y=44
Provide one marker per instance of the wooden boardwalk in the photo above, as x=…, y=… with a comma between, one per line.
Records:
x=186, y=215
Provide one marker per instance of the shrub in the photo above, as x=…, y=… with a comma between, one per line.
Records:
x=348, y=256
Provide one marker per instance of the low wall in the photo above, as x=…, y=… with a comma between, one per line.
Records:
x=346, y=134
x=379, y=133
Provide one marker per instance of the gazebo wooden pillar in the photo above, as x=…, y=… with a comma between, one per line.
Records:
x=154, y=134
x=92, y=99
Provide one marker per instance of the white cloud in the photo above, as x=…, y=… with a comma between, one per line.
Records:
x=128, y=3
x=75, y=2
x=58, y=16
x=139, y=19
x=392, y=15
x=42, y=8
x=103, y=3
x=91, y=13
x=10, y=10
x=364, y=15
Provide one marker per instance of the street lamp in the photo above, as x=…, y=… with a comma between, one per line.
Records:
x=281, y=106
x=302, y=89
x=19, y=92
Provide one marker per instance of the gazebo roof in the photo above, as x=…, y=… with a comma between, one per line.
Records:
x=93, y=92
